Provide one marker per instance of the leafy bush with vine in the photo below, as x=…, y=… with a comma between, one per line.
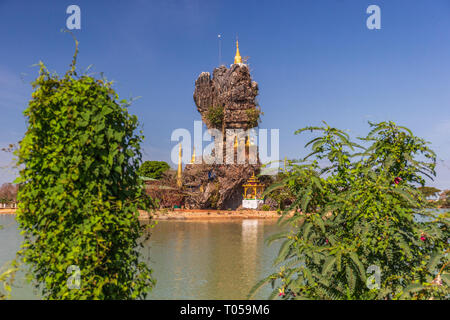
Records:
x=361, y=229
x=81, y=192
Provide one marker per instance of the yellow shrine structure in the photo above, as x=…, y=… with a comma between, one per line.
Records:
x=253, y=190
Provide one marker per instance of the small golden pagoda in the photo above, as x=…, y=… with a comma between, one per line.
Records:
x=193, y=156
x=237, y=58
x=253, y=189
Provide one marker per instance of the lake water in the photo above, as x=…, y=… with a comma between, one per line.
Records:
x=190, y=259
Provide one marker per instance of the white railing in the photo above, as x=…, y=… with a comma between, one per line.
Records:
x=11, y=205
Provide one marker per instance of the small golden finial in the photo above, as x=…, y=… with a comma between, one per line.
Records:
x=237, y=58
x=235, y=142
x=193, y=156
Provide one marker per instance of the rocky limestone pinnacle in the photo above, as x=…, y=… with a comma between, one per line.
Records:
x=231, y=89
x=231, y=95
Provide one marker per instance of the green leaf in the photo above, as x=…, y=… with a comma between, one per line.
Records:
x=328, y=264
x=351, y=278
x=434, y=260
x=277, y=236
x=260, y=284
x=338, y=260
x=414, y=287
x=283, y=252
x=318, y=220
x=359, y=265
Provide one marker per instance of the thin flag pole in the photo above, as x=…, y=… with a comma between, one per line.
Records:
x=220, y=49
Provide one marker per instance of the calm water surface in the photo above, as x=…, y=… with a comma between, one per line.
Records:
x=191, y=260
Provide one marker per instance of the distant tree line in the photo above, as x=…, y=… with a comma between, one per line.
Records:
x=443, y=197
x=153, y=169
x=8, y=193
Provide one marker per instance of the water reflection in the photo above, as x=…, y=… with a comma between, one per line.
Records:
x=210, y=259
x=249, y=248
x=190, y=259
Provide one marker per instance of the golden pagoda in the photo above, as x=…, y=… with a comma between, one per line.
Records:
x=253, y=189
x=248, y=142
x=237, y=58
x=193, y=156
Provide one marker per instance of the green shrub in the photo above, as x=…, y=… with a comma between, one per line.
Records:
x=282, y=196
x=265, y=207
x=153, y=169
x=78, y=206
x=254, y=116
x=214, y=197
x=364, y=232
x=429, y=191
x=215, y=116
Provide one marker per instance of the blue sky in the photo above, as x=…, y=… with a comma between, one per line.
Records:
x=313, y=61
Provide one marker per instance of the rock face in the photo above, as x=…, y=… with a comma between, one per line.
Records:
x=231, y=93
x=232, y=90
x=222, y=191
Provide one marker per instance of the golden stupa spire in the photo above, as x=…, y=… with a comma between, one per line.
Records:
x=248, y=142
x=179, y=183
x=237, y=58
x=193, y=156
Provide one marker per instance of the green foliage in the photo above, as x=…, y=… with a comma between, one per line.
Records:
x=254, y=116
x=429, y=191
x=215, y=116
x=7, y=275
x=280, y=193
x=361, y=213
x=214, y=197
x=78, y=205
x=153, y=169
x=265, y=207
